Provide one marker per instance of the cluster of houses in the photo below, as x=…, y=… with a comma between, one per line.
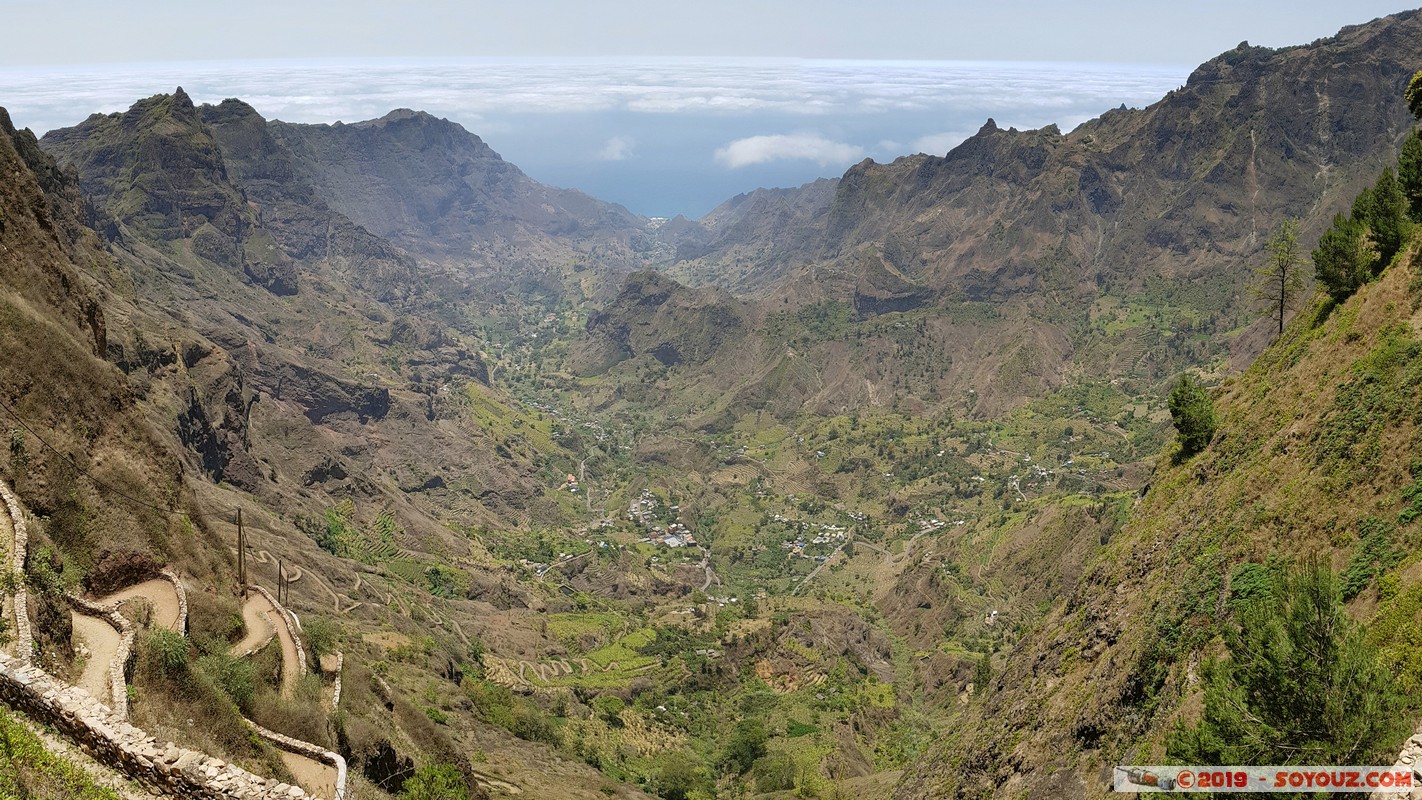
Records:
x=643, y=512
x=826, y=534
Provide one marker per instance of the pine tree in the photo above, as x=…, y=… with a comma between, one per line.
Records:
x=1194, y=414
x=1301, y=685
x=1385, y=213
x=1409, y=174
x=1344, y=258
x=1281, y=279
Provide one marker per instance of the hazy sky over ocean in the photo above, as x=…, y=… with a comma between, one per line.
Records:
x=664, y=107
x=660, y=136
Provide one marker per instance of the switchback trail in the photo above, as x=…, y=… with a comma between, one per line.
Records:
x=263, y=623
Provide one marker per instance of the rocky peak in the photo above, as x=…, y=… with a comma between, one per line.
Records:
x=157, y=169
x=180, y=105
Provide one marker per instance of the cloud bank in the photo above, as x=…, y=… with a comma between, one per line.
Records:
x=467, y=90
x=799, y=146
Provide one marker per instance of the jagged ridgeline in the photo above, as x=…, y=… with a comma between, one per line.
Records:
x=865, y=487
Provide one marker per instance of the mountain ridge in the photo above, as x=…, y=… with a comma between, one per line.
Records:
x=1167, y=202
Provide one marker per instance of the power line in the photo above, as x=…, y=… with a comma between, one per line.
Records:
x=86, y=473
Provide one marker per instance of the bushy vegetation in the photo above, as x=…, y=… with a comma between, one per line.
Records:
x=1301, y=685
x=1194, y=415
x=1359, y=245
x=199, y=696
x=435, y=782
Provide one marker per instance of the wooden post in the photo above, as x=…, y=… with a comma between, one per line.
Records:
x=241, y=555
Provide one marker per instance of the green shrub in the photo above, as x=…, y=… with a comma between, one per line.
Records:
x=1301, y=686
x=167, y=652
x=746, y=745
x=1194, y=414
x=530, y=723
x=435, y=782
x=676, y=775
x=774, y=772
x=1373, y=554
x=236, y=677
x=321, y=636
x=795, y=729
x=610, y=708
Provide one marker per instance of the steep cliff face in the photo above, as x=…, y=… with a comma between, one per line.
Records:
x=291, y=319
x=437, y=190
x=656, y=316
x=303, y=225
x=160, y=172
x=76, y=428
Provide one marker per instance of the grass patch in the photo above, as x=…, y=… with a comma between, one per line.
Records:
x=28, y=769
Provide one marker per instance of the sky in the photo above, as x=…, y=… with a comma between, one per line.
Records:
x=1128, y=31
x=664, y=107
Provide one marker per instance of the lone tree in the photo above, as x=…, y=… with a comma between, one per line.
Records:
x=1281, y=279
x=1301, y=685
x=1194, y=414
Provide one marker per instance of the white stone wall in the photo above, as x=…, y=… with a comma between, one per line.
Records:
x=24, y=637
x=123, y=657
x=309, y=750
x=163, y=769
x=172, y=577
x=340, y=670
x=292, y=626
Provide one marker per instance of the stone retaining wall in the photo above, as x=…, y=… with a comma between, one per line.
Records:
x=1410, y=759
x=102, y=732
x=123, y=657
x=336, y=693
x=172, y=577
x=163, y=769
x=24, y=637
x=293, y=627
x=309, y=750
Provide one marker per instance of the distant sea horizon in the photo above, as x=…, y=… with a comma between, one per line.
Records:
x=661, y=136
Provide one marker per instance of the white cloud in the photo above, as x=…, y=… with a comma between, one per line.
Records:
x=803, y=146
x=937, y=144
x=618, y=148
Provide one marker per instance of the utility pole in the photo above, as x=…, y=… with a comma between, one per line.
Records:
x=241, y=555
